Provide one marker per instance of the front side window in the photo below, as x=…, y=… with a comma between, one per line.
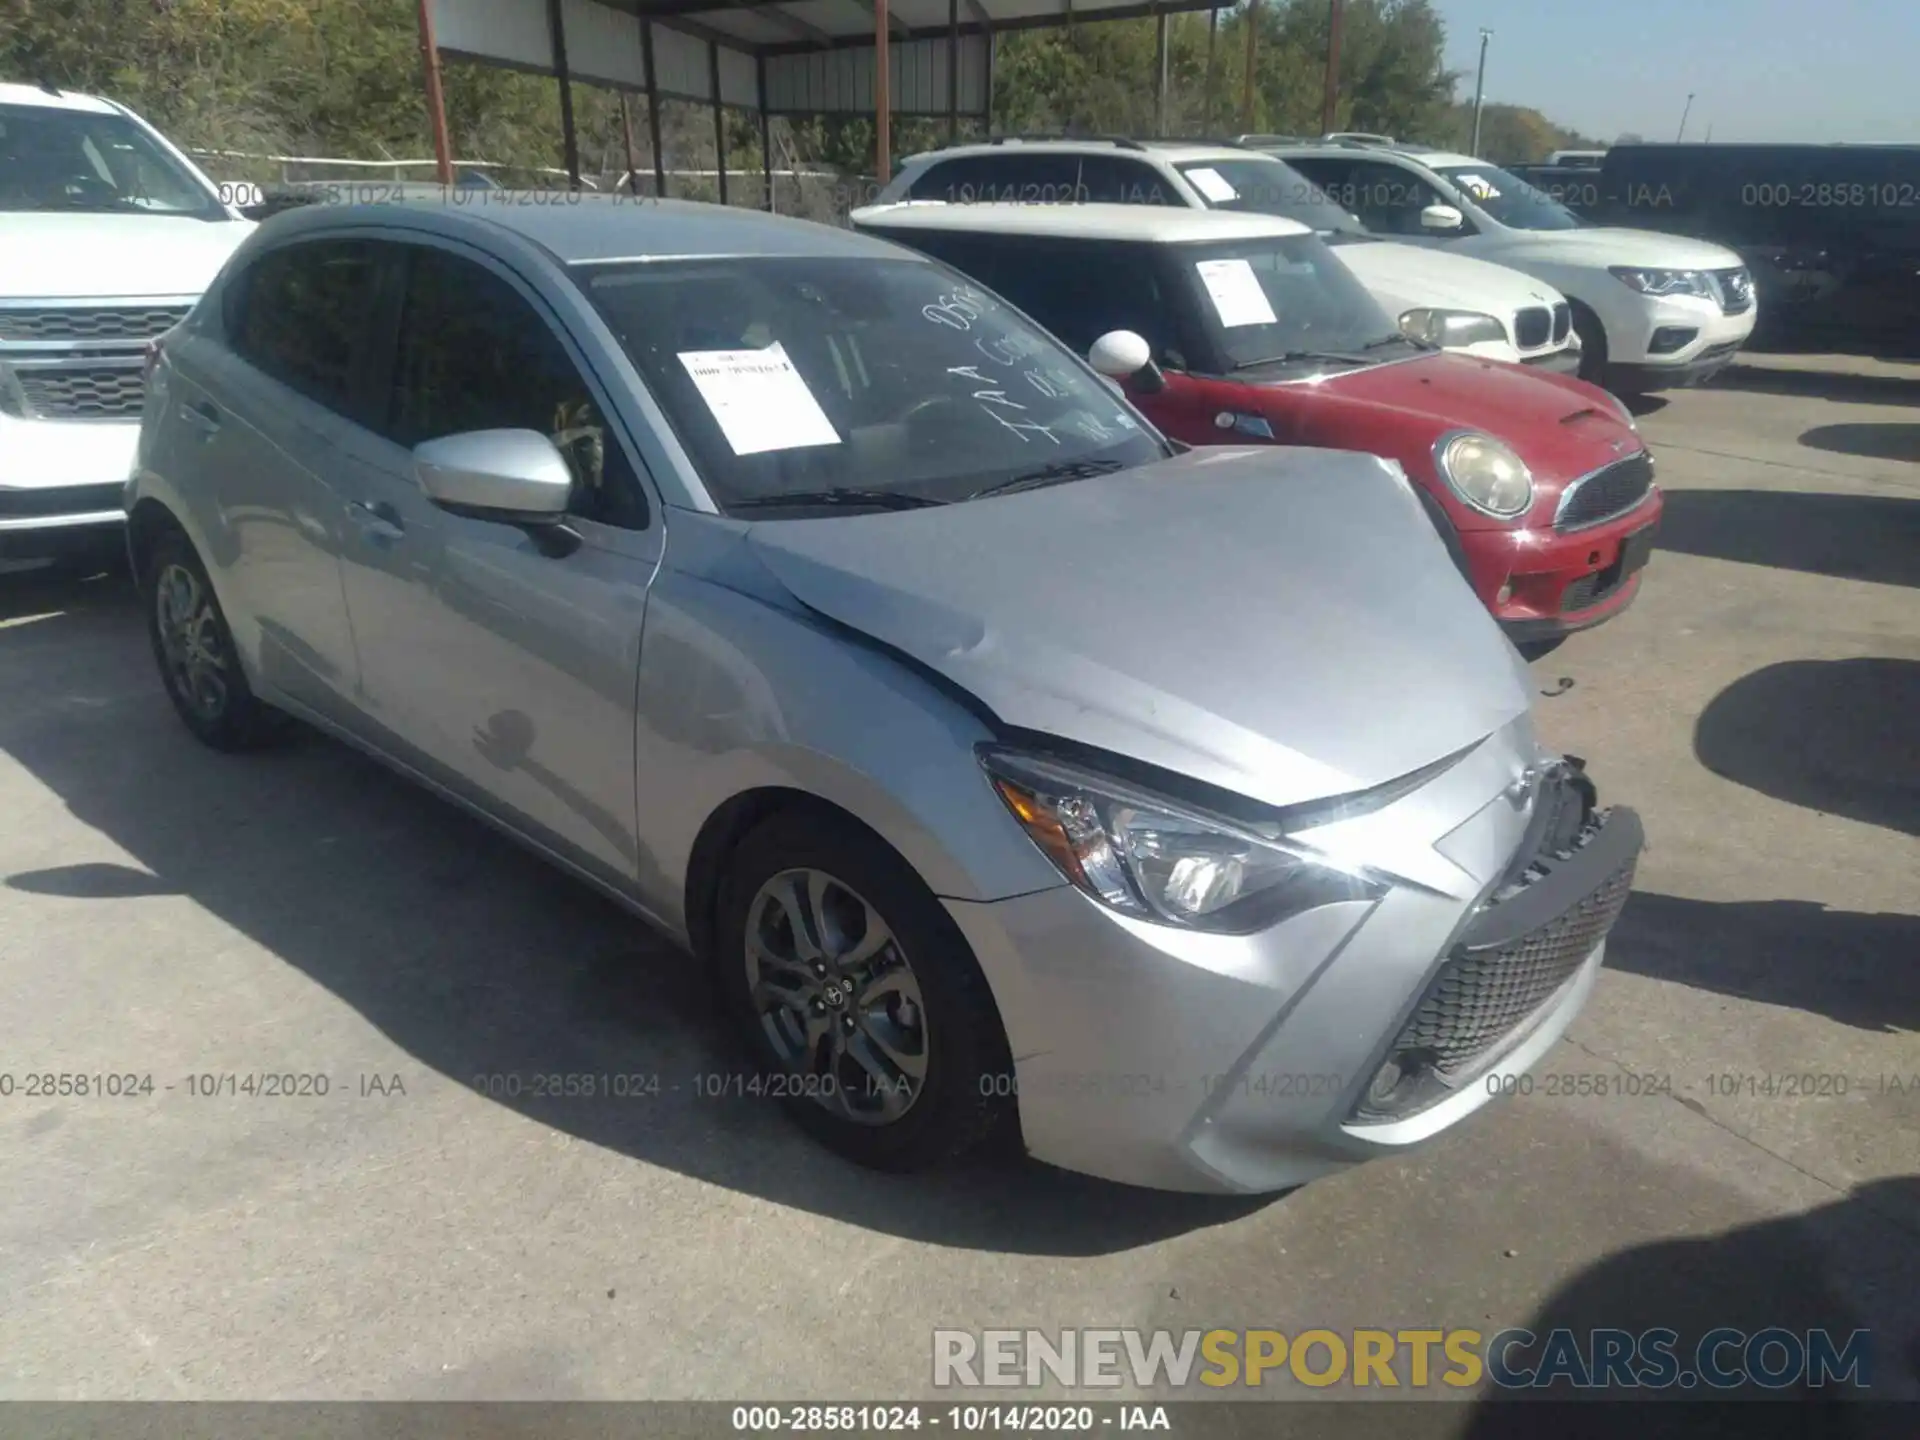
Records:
x=1386, y=197
x=1012, y=178
x=300, y=314
x=1281, y=302
x=1111, y=180
x=1270, y=187
x=475, y=355
x=1509, y=199
x=78, y=160
x=891, y=378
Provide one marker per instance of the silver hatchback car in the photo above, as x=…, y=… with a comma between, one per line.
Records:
x=1017, y=770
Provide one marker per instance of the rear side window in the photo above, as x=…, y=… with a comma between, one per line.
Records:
x=1110, y=180
x=1013, y=177
x=475, y=355
x=300, y=314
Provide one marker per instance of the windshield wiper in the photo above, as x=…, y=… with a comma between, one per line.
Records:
x=1343, y=357
x=1048, y=475
x=839, y=495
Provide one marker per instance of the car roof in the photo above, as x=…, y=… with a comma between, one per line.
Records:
x=1417, y=153
x=1176, y=151
x=1152, y=224
x=45, y=99
x=585, y=228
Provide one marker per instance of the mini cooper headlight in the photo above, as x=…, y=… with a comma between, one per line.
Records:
x=1484, y=472
x=1158, y=859
x=1451, y=329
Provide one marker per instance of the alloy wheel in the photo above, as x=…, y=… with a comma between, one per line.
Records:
x=189, y=630
x=836, y=996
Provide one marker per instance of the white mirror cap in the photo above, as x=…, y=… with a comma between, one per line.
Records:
x=1120, y=353
x=1441, y=217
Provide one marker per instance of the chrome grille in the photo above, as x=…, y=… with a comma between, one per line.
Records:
x=1605, y=493
x=92, y=392
x=1736, y=290
x=1532, y=327
x=88, y=322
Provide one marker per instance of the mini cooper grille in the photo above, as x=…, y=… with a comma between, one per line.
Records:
x=89, y=393
x=89, y=322
x=1606, y=493
x=1562, y=321
x=1532, y=328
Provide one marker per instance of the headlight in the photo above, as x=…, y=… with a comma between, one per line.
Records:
x=1451, y=329
x=1665, y=282
x=1484, y=472
x=1157, y=859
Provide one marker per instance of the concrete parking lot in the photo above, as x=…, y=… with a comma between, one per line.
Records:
x=166, y=911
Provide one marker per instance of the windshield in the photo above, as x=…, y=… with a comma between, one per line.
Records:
x=890, y=378
x=72, y=160
x=1509, y=199
x=1270, y=187
x=1283, y=301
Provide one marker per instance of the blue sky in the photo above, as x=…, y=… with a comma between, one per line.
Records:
x=1813, y=70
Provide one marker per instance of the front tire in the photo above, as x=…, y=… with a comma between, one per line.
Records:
x=1593, y=345
x=194, y=649
x=857, y=996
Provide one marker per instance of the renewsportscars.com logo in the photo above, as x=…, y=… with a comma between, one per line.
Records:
x=1513, y=1359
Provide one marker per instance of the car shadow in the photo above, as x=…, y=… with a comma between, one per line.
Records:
x=1776, y=1274
x=1832, y=735
x=1814, y=384
x=1851, y=537
x=1859, y=969
x=479, y=960
x=1643, y=405
x=1872, y=442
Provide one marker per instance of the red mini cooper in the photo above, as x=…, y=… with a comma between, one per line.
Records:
x=1237, y=328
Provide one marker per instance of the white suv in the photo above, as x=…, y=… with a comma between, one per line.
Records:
x=1653, y=311
x=108, y=234
x=1468, y=305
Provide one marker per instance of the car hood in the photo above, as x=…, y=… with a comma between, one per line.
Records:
x=67, y=256
x=1563, y=428
x=1412, y=276
x=1605, y=246
x=1283, y=623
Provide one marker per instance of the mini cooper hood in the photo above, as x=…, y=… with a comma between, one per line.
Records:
x=1220, y=614
x=1417, y=277
x=72, y=257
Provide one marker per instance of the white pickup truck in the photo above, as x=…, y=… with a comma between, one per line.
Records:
x=108, y=234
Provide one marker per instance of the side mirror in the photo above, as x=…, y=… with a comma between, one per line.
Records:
x=515, y=477
x=1124, y=355
x=1441, y=217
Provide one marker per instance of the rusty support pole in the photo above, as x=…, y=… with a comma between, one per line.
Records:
x=653, y=110
x=882, y=98
x=719, y=118
x=1246, y=89
x=626, y=134
x=569, y=141
x=1331, y=102
x=436, y=100
x=953, y=70
x=766, y=133
x=1213, y=36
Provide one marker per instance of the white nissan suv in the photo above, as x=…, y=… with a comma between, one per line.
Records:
x=108, y=234
x=1488, y=311
x=1653, y=311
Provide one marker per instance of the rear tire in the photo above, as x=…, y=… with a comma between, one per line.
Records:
x=194, y=649
x=870, y=1020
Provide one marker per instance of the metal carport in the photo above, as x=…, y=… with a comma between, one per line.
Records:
x=872, y=58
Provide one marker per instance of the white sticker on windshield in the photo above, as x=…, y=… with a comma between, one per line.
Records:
x=759, y=399
x=1213, y=185
x=1478, y=186
x=1237, y=296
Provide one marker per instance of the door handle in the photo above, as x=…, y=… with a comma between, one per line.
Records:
x=202, y=416
x=378, y=519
